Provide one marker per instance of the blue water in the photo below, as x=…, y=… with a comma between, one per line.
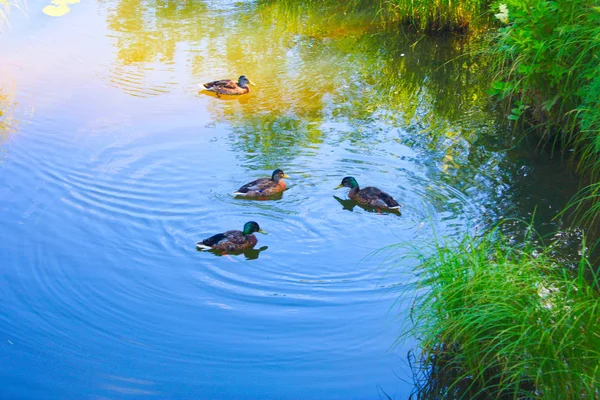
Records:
x=114, y=165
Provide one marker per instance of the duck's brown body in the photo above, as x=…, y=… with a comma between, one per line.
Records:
x=264, y=187
x=371, y=196
x=227, y=86
x=261, y=187
x=230, y=241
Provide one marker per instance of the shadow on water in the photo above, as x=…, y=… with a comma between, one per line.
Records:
x=250, y=254
x=276, y=196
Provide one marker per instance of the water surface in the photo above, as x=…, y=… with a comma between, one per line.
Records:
x=113, y=164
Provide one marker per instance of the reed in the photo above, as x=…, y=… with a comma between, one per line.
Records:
x=499, y=321
x=5, y=8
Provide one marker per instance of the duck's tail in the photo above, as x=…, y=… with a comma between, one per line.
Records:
x=236, y=193
x=389, y=201
x=202, y=246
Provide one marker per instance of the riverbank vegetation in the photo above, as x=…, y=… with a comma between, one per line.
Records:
x=548, y=73
x=498, y=320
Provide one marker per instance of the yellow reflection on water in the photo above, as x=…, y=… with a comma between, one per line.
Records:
x=8, y=122
x=310, y=67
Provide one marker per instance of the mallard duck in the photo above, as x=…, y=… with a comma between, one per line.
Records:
x=232, y=241
x=369, y=196
x=263, y=187
x=227, y=86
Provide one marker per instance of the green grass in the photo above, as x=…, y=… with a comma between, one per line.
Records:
x=585, y=207
x=499, y=321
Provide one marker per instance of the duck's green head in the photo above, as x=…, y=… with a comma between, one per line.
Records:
x=348, y=182
x=278, y=174
x=251, y=227
x=243, y=81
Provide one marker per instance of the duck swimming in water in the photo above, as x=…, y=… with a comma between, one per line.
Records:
x=227, y=86
x=232, y=241
x=369, y=196
x=263, y=187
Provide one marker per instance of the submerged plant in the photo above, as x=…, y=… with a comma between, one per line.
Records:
x=497, y=321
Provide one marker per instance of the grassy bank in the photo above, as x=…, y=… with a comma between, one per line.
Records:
x=548, y=72
x=500, y=321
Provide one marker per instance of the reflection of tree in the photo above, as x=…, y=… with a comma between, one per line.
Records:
x=146, y=35
x=148, y=31
x=359, y=76
x=8, y=124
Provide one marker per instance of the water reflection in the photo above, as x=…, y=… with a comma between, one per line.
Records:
x=149, y=32
x=8, y=122
x=325, y=80
x=250, y=254
x=345, y=71
x=276, y=196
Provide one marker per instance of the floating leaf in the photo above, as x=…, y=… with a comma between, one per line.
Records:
x=56, y=11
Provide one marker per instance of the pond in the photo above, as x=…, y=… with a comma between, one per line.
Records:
x=113, y=163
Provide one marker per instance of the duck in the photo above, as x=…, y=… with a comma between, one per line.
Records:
x=228, y=86
x=233, y=241
x=263, y=187
x=369, y=196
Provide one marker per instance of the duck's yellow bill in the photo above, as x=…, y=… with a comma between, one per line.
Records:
x=338, y=186
x=285, y=176
x=263, y=232
x=251, y=83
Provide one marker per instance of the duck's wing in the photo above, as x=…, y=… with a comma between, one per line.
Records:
x=378, y=198
x=223, y=83
x=235, y=237
x=257, y=185
x=213, y=240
